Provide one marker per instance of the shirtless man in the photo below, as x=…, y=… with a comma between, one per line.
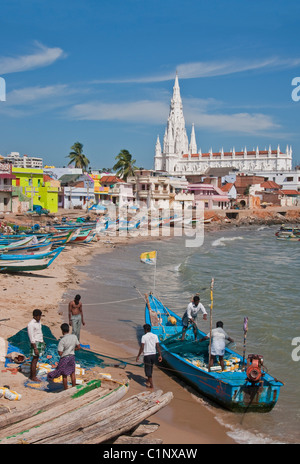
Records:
x=76, y=315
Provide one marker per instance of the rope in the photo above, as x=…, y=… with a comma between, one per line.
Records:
x=111, y=302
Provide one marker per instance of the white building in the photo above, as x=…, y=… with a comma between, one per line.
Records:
x=24, y=161
x=289, y=180
x=180, y=156
x=158, y=190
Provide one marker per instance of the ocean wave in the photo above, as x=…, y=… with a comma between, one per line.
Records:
x=242, y=436
x=220, y=241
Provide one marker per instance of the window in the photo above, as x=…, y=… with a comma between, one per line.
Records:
x=289, y=179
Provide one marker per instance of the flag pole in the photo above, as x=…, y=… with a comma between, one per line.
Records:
x=210, y=322
x=245, y=336
x=155, y=273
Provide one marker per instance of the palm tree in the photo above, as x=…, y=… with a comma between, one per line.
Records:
x=77, y=157
x=125, y=165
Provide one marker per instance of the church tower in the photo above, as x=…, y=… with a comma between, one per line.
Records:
x=175, y=143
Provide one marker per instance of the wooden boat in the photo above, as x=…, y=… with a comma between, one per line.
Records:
x=231, y=388
x=16, y=243
x=26, y=256
x=288, y=233
x=28, y=250
x=82, y=235
x=81, y=416
x=34, y=264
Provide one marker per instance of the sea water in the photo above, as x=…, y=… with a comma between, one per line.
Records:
x=255, y=276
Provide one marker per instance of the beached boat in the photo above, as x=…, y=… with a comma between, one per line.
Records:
x=25, y=256
x=236, y=388
x=82, y=235
x=28, y=249
x=34, y=264
x=81, y=415
x=288, y=233
x=9, y=245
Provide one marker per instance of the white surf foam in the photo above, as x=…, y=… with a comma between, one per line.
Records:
x=220, y=241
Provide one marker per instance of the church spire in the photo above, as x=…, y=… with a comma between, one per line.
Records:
x=176, y=137
x=193, y=144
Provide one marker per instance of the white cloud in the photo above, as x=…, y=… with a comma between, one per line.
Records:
x=144, y=111
x=35, y=93
x=197, y=111
x=42, y=56
x=209, y=69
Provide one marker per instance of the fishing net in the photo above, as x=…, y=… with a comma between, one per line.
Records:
x=85, y=357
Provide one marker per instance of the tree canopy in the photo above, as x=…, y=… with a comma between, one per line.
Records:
x=125, y=165
x=78, y=157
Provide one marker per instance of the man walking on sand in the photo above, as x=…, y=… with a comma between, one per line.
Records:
x=149, y=345
x=67, y=346
x=76, y=315
x=37, y=345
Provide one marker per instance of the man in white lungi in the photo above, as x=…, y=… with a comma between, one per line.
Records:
x=218, y=337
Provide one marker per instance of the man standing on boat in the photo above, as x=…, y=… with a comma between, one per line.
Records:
x=218, y=337
x=37, y=345
x=190, y=316
x=76, y=315
x=149, y=345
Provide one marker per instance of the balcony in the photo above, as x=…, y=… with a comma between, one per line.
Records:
x=5, y=188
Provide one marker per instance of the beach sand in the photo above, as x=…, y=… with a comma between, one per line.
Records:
x=184, y=421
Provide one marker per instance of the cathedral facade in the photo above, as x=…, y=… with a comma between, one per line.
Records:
x=179, y=156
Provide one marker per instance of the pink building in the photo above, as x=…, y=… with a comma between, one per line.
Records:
x=212, y=196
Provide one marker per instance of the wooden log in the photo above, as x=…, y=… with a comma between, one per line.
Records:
x=144, y=429
x=55, y=424
x=102, y=396
x=106, y=417
x=125, y=420
x=54, y=400
x=129, y=440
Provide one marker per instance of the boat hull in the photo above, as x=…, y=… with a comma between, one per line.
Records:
x=234, y=398
x=230, y=389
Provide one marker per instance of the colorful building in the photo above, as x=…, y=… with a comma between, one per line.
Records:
x=6, y=178
x=39, y=189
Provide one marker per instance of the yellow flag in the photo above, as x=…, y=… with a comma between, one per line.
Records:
x=149, y=257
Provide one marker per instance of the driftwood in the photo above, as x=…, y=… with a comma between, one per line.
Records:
x=96, y=399
x=54, y=400
x=144, y=429
x=95, y=426
x=127, y=440
x=138, y=435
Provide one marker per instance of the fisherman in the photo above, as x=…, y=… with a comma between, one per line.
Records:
x=67, y=346
x=37, y=345
x=149, y=345
x=218, y=337
x=76, y=315
x=190, y=315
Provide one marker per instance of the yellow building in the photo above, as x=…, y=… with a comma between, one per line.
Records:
x=39, y=189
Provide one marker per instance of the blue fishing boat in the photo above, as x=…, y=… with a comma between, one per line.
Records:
x=241, y=387
x=288, y=233
x=34, y=264
x=24, y=256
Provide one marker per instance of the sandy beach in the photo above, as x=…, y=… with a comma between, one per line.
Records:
x=184, y=421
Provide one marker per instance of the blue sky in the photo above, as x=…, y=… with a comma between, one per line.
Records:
x=101, y=72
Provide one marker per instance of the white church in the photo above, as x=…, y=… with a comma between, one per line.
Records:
x=179, y=156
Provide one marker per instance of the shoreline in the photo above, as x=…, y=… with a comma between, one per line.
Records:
x=21, y=293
